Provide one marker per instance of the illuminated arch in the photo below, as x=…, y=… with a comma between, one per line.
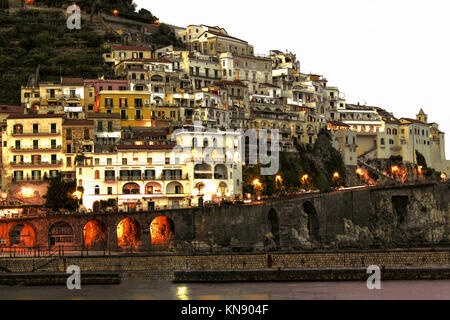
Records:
x=128, y=233
x=94, y=234
x=162, y=230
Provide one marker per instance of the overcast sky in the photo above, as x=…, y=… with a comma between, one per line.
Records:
x=391, y=54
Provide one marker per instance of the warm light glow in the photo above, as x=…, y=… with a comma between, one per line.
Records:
x=128, y=233
x=77, y=195
x=336, y=175
x=304, y=179
x=360, y=172
x=94, y=233
x=395, y=169
x=115, y=12
x=420, y=169
x=182, y=293
x=256, y=182
x=27, y=192
x=443, y=177
x=162, y=230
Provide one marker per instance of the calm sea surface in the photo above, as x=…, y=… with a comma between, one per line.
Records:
x=139, y=289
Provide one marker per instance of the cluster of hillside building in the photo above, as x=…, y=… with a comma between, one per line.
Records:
x=116, y=138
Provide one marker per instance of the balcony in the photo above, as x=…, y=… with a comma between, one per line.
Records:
x=73, y=109
x=32, y=149
x=130, y=178
x=37, y=164
x=32, y=133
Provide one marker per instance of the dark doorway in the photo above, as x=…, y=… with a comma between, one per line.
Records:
x=313, y=221
x=400, y=207
x=274, y=226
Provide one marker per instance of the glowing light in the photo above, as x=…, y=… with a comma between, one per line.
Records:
x=27, y=192
x=77, y=195
x=182, y=293
x=115, y=12
x=336, y=175
x=94, y=232
x=304, y=179
x=162, y=230
x=128, y=233
x=420, y=169
x=443, y=177
x=360, y=172
x=395, y=169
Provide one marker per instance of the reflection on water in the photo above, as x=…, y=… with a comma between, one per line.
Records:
x=139, y=289
x=182, y=293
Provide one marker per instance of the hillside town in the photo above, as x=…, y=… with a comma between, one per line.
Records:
x=115, y=138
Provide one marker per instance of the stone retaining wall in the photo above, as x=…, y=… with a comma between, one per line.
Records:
x=160, y=264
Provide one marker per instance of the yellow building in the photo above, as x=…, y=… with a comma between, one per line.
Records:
x=133, y=106
x=120, y=53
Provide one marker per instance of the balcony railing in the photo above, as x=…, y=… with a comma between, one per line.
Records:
x=37, y=163
x=33, y=149
x=37, y=133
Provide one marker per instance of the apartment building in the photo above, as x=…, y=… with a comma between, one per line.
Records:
x=138, y=177
x=120, y=53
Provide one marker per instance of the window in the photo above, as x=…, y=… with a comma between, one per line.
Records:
x=138, y=115
x=97, y=161
x=99, y=126
x=109, y=161
x=97, y=174
x=53, y=128
x=69, y=148
x=123, y=102
x=382, y=141
x=110, y=126
x=35, y=128
x=108, y=102
x=69, y=161
x=68, y=134
x=109, y=190
x=87, y=135
x=149, y=160
x=97, y=190
x=124, y=161
x=167, y=161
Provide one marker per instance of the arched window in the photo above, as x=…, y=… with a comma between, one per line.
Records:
x=388, y=131
x=97, y=189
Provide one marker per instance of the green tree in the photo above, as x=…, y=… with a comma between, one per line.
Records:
x=60, y=195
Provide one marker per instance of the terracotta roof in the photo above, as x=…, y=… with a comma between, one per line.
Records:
x=12, y=109
x=147, y=147
x=35, y=116
x=72, y=82
x=78, y=122
x=129, y=48
x=223, y=35
x=150, y=134
x=230, y=83
x=146, y=60
x=338, y=123
x=414, y=121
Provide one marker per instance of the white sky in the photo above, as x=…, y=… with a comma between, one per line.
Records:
x=391, y=54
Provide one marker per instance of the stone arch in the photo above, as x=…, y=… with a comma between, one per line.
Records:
x=129, y=233
x=95, y=234
x=313, y=221
x=22, y=235
x=162, y=230
x=131, y=188
x=157, y=78
x=221, y=172
x=174, y=188
x=153, y=188
x=273, y=226
x=61, y=233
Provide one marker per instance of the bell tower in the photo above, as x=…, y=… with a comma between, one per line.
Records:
x=422, y=116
